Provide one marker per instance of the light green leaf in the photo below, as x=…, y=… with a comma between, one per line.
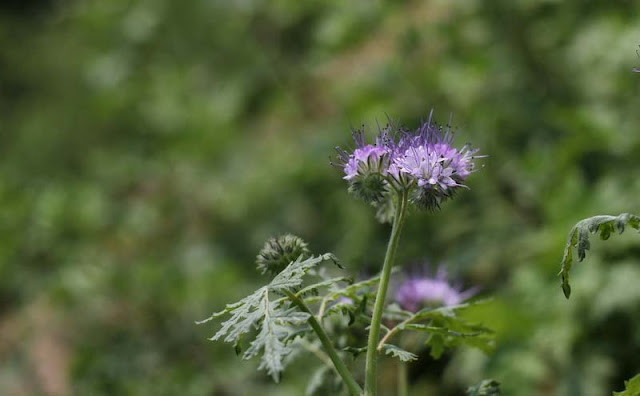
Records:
x=399, y=353
x=632, y=387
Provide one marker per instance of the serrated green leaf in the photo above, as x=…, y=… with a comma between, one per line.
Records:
x=579, y=239
x=354, y=290
x=352, y=300
x=277, y=321
x=312, y=289
x=446, y=329
x=339, y=307
x=439, y=330
x=583, y=243
x=632, y=387
x=397, y=352
x=292, y=277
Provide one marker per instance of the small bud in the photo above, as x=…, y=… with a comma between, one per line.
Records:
x=428, y=199
x=370, y=187
x=279, y=252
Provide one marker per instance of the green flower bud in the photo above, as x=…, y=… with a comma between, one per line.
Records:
x=279, y=252
x=370, y=187
x=427, y=199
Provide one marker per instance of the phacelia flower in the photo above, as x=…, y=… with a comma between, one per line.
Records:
x=417, y=292
x=368, y=158
x=423, y=162
x=279, y=252
x=365, y=168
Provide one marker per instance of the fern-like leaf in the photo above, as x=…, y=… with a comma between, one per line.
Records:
x=277, y=321
x=578, y=239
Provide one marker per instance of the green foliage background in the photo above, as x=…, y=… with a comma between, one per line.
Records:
x=149, y=148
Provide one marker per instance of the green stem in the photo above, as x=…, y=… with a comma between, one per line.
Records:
x=343, y=371
x=371, y=384
x=403, y=381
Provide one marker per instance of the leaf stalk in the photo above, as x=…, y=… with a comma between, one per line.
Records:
x=341, y=368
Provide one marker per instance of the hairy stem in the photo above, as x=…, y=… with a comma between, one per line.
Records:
x=371, y=385
x=343, y=371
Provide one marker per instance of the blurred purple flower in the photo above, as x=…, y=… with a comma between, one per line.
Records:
x=417, y=292
x=344, y=300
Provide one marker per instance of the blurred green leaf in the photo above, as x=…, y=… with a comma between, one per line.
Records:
x=488, y=387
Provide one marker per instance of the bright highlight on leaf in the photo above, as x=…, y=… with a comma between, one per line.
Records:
x=399, y=353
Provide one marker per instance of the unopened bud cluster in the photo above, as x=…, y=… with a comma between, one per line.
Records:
x=279, y=252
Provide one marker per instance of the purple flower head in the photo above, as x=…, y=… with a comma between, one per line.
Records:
x=417, y=292
x=368, y=158
x=423, y=162
x=365, y=168
x=430, y=160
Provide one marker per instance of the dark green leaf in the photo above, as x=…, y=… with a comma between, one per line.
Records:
x=579, y=239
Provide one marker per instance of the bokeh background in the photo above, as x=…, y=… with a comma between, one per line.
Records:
x=149, y=148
